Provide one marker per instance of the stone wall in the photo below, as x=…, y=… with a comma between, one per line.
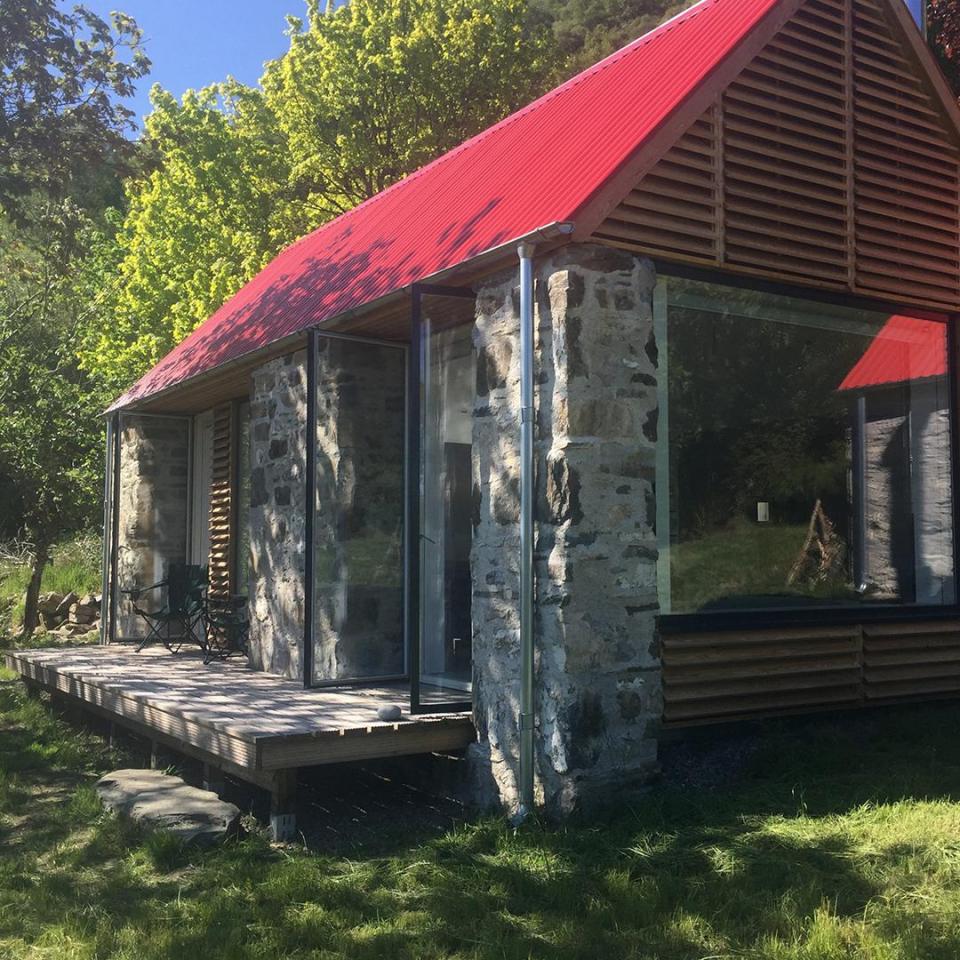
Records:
x=153, y=506
x=278, y=413
x=597, y=670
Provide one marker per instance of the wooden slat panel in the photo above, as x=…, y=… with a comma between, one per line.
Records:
x=221, y=503
x=897, y=131
x=911, y=660
x=710, y=677
x=828, y=162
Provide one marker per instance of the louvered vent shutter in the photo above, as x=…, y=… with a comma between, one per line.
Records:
x=676, y=208
x=786, y=153
x=827, y=163
x=906, y=173
x=221, y=512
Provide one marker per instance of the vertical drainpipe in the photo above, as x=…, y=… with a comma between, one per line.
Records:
x=309, y=547
x=107, y=530
x=527, y=413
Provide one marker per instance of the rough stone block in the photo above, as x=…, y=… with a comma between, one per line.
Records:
x=164, y=802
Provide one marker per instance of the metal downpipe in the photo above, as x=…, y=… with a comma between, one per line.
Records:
x=527, y=424
x=107, y=530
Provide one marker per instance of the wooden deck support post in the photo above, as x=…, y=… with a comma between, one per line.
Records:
x=213, y=778
x=283, y=800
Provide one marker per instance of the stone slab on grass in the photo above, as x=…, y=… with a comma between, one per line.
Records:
x=164, y=802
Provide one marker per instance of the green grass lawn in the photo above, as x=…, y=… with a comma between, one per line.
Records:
x=838, y=838
x=75, y=567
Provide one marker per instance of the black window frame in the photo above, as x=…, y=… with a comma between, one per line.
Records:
x=738, y=620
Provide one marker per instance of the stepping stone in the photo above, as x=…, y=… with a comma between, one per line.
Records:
x=164, y=802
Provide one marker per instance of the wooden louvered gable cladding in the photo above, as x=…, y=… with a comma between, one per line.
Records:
x=221, y=503
x=827, y=163
x=906, y=173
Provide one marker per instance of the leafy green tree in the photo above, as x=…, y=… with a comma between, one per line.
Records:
x=585, y=31
x=62, y=123
x=943, y=19
x=375, y=89
x=209, y=213
x=50, y=448
x=363, y=96
x=63, y=76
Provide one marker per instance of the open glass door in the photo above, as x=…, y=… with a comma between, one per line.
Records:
x=150, y=511
x=445, y=390
x=358, y=630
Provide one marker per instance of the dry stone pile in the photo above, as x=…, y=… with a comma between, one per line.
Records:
x=69, y=615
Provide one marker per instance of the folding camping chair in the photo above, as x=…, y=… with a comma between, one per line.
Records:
x=227, y=627
x=182, y=617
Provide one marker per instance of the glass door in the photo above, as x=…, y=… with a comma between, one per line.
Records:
x=446, y=389
x=358, y=630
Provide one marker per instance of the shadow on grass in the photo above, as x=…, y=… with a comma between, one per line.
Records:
x=837, y=838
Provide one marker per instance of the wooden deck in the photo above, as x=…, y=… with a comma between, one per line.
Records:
x=247, y=722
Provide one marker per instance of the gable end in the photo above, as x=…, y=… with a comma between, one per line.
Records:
x=830, y=162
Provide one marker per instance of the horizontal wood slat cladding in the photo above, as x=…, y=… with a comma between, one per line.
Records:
x=827, y=163
x=713, y=677
x=221, y=503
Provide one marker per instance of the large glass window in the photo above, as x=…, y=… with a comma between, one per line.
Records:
x=804, y=453
x=448, y=388
x=359, y=511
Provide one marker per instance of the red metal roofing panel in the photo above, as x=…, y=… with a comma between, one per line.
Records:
x=906, y=348
x=537, y=167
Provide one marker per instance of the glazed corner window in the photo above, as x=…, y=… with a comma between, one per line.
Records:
x=803, y=455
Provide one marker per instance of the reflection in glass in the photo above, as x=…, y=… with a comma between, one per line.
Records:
x=448, y=389
x=804, y=453
x=358, y=544
x=152, y=509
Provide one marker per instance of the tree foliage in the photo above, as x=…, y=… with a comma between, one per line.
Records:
x=211, y=210
x=377, y=88
x=63, y=77
x=363, y=96
x=943, y=17
x=585, y=31
x=62, y=148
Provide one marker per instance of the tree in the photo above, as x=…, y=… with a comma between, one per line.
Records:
x=943, y=18
x=585, y=31
x=62, y=147
x=50, y=447
x=363, y=96
x=63, y=76
x=209, y=213
x=375, y=89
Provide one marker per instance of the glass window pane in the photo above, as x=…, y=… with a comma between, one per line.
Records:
x=358, y=544
x=446, y=529
x=804, y=453
x=152, y=512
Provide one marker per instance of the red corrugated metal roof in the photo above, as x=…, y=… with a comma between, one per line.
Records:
x=540, y=166
x=906, y=348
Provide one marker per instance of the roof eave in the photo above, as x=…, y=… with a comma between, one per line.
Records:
x=555, y=234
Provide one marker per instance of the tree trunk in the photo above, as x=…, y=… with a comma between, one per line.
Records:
x=41, y=559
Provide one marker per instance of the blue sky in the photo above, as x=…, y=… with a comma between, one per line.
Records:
x=915, y=7
x=195, y=43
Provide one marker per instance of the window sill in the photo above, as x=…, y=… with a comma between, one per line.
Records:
x=717, y=621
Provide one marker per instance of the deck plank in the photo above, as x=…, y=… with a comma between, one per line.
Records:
x=253, y=719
